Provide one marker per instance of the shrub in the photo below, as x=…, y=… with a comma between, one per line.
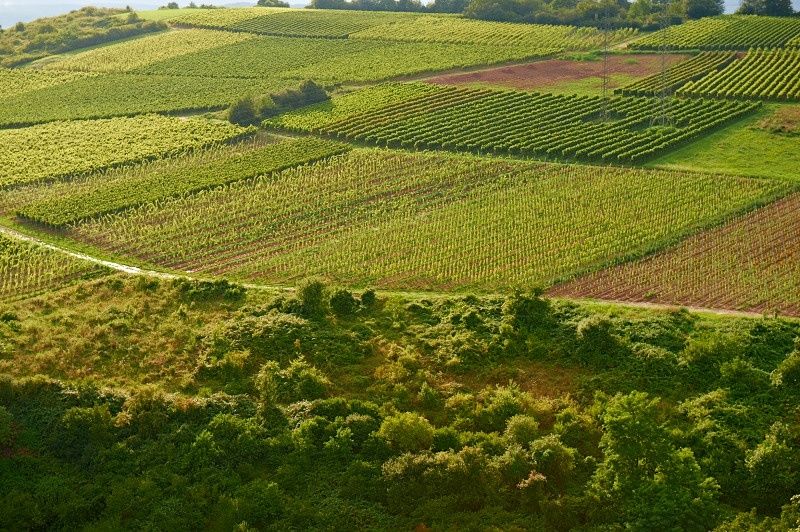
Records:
x=244, y=112
x=259, y=503
x=407, y=432
x=368, y=298
x=311, y=294
x=522, y=430
x=342, y=302
x=788, y=372
x=84, y=430
x=299, y=381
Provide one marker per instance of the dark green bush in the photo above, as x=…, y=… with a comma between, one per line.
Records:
x=342, y=302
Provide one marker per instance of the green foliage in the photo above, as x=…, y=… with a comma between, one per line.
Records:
x=253, y=110
x=249, y=449
x=80, y=28
x=311, y=294
x=788, y=371
x=342, y=302
x=455, y=118
x=299, y=381
x=772, y=468
x=6, y=427
x=407, y=432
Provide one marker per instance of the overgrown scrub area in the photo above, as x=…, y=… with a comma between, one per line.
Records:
x=322, y=408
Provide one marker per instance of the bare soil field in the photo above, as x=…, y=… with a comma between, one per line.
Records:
x=554, y=72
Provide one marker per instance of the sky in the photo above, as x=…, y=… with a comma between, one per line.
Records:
x=13, y=11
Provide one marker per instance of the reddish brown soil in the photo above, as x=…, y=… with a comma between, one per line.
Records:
x=556, y=71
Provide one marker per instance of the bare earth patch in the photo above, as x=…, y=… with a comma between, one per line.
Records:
x=557, y=71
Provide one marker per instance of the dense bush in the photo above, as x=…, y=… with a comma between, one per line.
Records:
x=272, y=442
x=252, y=110
x=407, y=432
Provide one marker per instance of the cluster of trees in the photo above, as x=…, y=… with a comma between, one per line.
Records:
x=645, y=14
x=78, y=29
x=329, y=409
x=774, y=8
x=253, y=110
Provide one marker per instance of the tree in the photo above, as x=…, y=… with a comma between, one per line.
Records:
x=644, y=480
x=774, y=474
x=311, y=294
x=299, y=381
x=775, y=8
x=272, y=3
x=704, y=8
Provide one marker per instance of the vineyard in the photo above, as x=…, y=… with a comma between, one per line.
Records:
x=350, y=104
x=401, y=220
x=317, y=23
x=397, y=26
x=113, y=95
x=17, y=81
x=618, y=129
x=465, y=31
x=730, y=32
x=761, y=74
x=131, y=55
x=64, y=149
x=27, y=269
x=678, y=75
x=129, y=187
x=752, y=263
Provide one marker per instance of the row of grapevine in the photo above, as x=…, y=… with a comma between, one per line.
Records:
x=14, y=82
x=422, y=220
x=112, y=95
x=403, y=27
x=28, y=269
x=65, y=149
x=763, y=74
x=751, y=263
x=317, y=23
x=121, y=189
x=580, y=127
x=349, y=104
x=137, y=53
x=468, y=31
x=727, y=32
x=678, y=75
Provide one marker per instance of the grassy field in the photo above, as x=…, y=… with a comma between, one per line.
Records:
x=744, y=148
